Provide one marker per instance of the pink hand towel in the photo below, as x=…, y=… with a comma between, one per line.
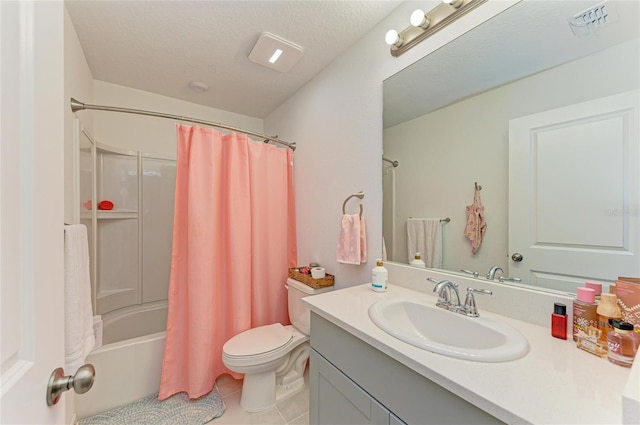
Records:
x=352, y=245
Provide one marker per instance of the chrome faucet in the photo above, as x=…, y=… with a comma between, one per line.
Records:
x=470, y=308
x=445, y=290
x=492, y=273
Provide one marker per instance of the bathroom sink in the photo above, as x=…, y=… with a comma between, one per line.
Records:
x=431, y=328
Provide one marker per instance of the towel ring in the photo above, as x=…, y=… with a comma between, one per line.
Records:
x=358, y=195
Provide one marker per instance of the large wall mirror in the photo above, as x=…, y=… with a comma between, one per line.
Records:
x=539, y=110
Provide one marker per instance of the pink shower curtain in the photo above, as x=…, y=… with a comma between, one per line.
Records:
x=234, y=238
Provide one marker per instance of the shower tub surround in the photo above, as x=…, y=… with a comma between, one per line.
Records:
x=554, y=383
x=129, y=243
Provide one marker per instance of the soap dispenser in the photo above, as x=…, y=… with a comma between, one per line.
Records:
x=417, y=261
x=379, y=277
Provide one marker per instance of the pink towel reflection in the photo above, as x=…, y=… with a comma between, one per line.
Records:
x=476, y=224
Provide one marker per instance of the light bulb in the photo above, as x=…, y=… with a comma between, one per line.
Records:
x=454, y=3
x=419, y=19
x=393, y=38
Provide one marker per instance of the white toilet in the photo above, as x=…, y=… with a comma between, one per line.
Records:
x=273, y=357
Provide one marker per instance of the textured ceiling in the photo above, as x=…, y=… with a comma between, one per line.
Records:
x=530, y=37
x=159, y=46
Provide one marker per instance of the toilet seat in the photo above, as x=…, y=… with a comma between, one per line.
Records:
x=261, y=345
x=257, y=340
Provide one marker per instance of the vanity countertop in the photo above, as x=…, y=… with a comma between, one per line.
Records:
x=555, y=383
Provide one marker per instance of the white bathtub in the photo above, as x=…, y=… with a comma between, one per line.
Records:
x=125, y=371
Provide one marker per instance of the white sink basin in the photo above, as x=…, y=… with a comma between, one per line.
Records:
x=431, y=328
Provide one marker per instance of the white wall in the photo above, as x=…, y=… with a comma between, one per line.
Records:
x=443, y=153
x=336, y=120
x=149, y=134
x=78, y=83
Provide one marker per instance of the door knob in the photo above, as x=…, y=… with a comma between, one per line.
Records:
x=81, y=382
x=517, y=257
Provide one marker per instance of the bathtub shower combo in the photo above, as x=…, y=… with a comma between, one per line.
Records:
x=130, y=252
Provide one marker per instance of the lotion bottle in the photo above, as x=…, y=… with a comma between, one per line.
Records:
x=379, y=277
x=417, y=261
x=607, y=309
x=585, y=312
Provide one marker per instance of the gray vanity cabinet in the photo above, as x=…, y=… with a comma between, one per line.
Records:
x=352, y=382
x=340, y=400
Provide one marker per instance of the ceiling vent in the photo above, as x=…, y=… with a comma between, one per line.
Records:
x=275, y=52
x=589, y=21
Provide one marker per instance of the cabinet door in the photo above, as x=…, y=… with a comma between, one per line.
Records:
x=335, y=399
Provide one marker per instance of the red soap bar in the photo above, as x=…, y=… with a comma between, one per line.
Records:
x=105, y=205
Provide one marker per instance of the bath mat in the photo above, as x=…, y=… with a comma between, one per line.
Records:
x=177, y=409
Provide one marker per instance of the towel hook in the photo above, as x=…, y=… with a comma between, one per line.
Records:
x=358, y=195
x=478, y=187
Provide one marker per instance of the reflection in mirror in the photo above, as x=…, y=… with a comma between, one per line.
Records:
x=447, y=122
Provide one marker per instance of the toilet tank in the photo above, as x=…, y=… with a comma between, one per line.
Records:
x=299, y=313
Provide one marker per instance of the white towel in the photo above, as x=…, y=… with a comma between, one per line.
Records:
x=424, y=235
x=79, y=335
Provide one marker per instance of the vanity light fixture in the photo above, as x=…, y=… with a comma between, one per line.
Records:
x=424, y=24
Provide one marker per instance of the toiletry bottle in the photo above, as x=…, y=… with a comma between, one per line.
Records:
x=622, y=344
x=417, y=261
x=559, y=321
x=596, y=286
x=585, y=312
x=589, y=342
x=379, y=277
x=607, y=309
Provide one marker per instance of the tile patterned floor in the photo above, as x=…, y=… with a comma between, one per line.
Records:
x=291, y=411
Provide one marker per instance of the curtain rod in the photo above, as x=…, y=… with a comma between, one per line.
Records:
x=79, y=106
x=390, y=161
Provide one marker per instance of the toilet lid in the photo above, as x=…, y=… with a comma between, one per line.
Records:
x=258, y=340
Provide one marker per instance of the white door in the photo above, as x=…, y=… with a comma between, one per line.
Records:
x=574, y=192
x=31, y=208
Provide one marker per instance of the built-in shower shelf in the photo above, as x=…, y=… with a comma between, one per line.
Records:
x=111, y=214
x=115, y=214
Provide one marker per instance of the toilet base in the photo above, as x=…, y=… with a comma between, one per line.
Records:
x=258, y=391
x=262, y=390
